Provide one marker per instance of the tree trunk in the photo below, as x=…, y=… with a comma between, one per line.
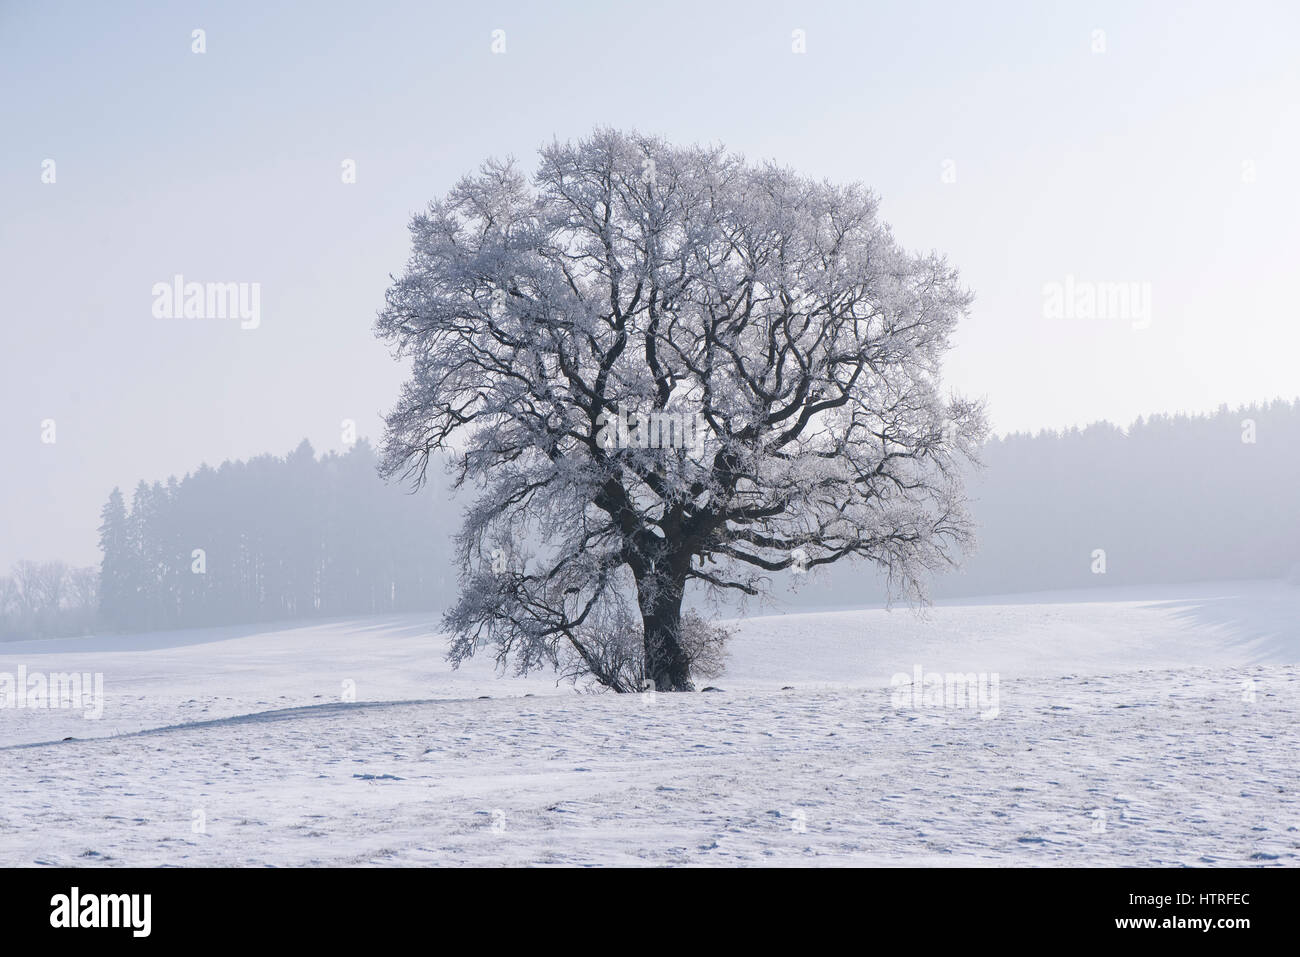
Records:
x=666, y=663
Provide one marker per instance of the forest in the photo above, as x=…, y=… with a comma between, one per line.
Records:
x=303, y=536
x=271, y=538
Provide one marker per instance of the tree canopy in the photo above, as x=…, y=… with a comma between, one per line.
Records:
x=630, y=277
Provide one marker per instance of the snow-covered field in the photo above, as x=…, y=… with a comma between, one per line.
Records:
x=1154, y=726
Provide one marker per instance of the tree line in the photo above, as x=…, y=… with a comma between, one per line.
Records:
x=271, y=538
x=47, y=599
x=1171, y=498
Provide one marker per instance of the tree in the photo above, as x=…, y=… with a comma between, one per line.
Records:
x=11, y=609
x=268, y=538
x=42, y=587
x=567, y=337
x=82, y=600
x=142, y=559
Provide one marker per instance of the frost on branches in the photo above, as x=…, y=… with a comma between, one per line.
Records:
x=561, y=328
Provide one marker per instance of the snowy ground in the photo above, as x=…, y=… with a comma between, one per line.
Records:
x=1157, y=726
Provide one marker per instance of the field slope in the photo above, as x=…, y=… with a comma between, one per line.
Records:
x=1140, y=726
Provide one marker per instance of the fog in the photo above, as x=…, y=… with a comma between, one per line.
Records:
x=1022, y=151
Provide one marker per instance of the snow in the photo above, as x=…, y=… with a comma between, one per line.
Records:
x=1154, y=726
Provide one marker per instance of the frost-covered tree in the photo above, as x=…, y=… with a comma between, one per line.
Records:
x=115, y=584
x=666, y=367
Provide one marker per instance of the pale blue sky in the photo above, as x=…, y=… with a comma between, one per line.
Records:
x=1125, y=165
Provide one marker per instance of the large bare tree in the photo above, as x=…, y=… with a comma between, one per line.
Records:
x=665, y=367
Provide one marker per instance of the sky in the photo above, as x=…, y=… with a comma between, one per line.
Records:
x=1040, y=147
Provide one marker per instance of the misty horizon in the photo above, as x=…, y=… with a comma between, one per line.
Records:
x=1112, y=188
